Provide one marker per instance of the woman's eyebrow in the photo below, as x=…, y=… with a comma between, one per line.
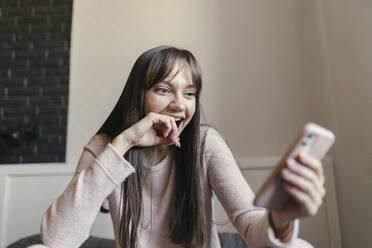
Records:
x=189, y=86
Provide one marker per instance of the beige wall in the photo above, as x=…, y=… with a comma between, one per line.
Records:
x=348, y=39
x=270, y=74
x=258, y=71
x=269, y=67
x=107, y=38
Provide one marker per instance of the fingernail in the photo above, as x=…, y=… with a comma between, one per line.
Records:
x=303, y=154
x=290, y=162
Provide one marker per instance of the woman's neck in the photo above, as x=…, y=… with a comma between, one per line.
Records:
x=155, y=154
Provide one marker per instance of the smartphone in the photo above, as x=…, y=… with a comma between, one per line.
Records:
x=313, y=138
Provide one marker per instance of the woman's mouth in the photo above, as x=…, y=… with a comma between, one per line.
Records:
x=178, y=122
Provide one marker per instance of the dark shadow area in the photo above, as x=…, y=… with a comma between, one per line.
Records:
x=34, y=80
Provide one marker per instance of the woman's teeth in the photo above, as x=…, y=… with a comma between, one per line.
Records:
x=178, y=121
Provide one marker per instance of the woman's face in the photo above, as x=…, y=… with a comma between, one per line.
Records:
x=175, y=96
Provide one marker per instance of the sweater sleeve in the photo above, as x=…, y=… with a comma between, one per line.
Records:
x=68, y=220
x=235, y=195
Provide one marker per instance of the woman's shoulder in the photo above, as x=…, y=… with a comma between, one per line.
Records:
x=209, y=131
x=211, y=138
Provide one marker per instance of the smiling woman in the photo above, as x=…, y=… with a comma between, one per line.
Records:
x=174, y=96
x=163, y=78
x=159, y=168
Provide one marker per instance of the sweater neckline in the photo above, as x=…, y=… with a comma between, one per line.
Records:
x=160, y=165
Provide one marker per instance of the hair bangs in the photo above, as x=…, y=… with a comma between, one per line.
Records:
x=163, y=63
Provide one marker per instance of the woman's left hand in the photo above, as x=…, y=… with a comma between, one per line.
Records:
x=303, y=180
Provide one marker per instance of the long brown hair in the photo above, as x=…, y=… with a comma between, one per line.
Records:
x=188, y=220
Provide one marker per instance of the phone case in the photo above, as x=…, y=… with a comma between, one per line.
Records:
x=314, y=138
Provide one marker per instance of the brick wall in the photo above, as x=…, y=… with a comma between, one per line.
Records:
x=34, y=79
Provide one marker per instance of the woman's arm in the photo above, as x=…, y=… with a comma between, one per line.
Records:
x=237, y=197
x=69, y=218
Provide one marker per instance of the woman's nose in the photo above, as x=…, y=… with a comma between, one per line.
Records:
x=177, y=105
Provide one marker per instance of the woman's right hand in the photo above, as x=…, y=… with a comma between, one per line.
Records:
x=154, y=129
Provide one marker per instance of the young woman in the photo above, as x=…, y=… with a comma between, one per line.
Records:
x=159, y=169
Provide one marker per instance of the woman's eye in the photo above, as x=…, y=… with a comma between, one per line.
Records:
x=162, y=90
x=190, y=94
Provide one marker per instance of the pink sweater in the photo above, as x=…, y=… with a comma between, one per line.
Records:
x=99, y=175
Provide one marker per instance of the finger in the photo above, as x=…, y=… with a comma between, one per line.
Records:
x=169, y=123
x=174, y=132
x=311, y=162
x=301, y=184
x=307, y=173
x=168, y=129
x=169, y=126
x=163, y=123
x=174, y=139
x=174, y=125
x=302, y=199
x=169, y=132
